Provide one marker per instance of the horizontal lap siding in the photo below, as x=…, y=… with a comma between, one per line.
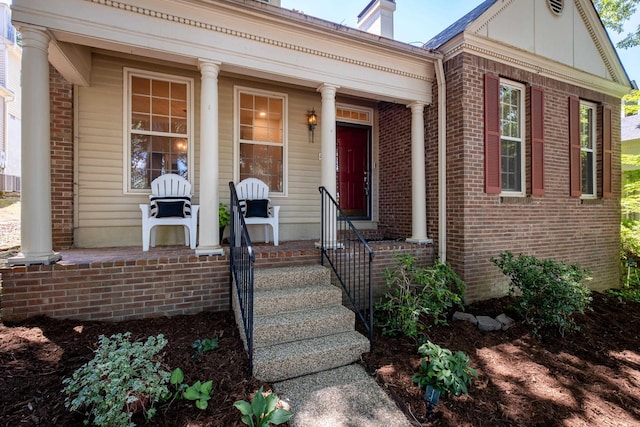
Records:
x=107, y=217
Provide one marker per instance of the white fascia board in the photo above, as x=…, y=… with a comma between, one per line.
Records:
x=286, y=50
x=72, y=61
x=483, y=47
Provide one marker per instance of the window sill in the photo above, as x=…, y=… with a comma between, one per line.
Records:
x=516, y=200
x=591, y=201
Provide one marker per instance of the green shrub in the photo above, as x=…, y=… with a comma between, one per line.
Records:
x=548, y=293
x=417, y=291
x=204, y=345
x=262, y=412
x=123, y=378
x=443, y=370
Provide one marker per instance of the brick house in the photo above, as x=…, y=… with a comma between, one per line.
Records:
x=469, y=145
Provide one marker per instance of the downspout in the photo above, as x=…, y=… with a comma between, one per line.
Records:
x=442, y=161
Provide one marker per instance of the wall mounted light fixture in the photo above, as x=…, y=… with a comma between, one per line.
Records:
x=312, y=121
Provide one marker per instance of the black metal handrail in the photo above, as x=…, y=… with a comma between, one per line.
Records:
x=350, y=257
x=241, y=263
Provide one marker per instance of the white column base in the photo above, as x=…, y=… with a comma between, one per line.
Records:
x=420, y=240
x=209, y=250
x=22, y=259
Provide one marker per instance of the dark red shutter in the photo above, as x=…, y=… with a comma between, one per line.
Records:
x=606, y=152
x=492, y=154
x=537, y=141
x=575, y=162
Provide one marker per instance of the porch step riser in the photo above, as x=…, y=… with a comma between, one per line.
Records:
x=290, y=277
x=300, y=325
x=272, y=302
x=290, y=360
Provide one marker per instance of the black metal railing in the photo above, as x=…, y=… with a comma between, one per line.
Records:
x=350, y=257
x=241, y=265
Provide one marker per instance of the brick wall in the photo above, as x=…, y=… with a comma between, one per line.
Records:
x=550, y=226
x=480, y=226
x=169, y=285
x=61, y=104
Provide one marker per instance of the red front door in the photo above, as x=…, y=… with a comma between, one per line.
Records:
x=352, y=173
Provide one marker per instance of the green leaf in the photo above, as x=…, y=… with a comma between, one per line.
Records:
x=248, y=420
x=258, y=403
x=202, y=404
x=244, y=407
x=271, y=402
x=280, y=416
x=207, y=388
x=176, y=377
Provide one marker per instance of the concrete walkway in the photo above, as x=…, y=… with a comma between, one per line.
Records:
x=341, y=397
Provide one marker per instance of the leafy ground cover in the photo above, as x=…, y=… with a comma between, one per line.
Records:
x=590, y=377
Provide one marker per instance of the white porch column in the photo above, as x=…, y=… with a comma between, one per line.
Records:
x=208, y=231
x=418, y=186
x=35, y=216
x=328, y=153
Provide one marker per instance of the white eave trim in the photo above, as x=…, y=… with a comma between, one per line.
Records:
x=483, y=47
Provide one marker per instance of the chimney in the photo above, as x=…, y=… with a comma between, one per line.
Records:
x=377, y=18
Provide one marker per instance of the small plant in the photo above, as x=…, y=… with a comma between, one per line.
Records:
x=123, y=378
x=199, y=392
x=262, y=412
x=548, y=293
x=204, y=345
x=443, y=370
x=417, y=291
x=224, y=217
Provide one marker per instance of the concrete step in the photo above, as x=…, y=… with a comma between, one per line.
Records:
x=298, y=325
x=275, y=301
x=291, y=277
x=294, y=359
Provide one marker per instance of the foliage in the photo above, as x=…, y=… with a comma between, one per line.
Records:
x=443, y=370
x=122, y=379
x=224, y=217
x=630, y=239
x=548, y=292
x=262, y=412
x=417, y=291
x=204, y=345
x=631, y=102
x=630, y=201
x=614, y=13
x=199, y=392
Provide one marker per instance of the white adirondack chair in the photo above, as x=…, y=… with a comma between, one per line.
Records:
x=169, y=204
x=253, y=196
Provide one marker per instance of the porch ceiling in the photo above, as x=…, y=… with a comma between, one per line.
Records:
x=246, y=37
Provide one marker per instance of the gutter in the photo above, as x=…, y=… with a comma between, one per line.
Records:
x=442, y=161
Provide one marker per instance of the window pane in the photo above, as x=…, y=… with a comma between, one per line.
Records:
x=511, y=162
x=158, y=109
x=587, y=173
x=586, y=126
x=262, y=162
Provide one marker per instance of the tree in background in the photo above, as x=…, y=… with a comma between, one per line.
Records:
x=614, y=13
x=631, y=103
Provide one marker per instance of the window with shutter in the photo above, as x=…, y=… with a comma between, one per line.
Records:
x=504, y=136
x=575, y=166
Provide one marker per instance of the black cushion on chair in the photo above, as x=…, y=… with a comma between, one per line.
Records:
x=257, y=208
x=165, y=207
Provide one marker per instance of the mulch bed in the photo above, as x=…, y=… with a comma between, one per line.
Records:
x=588, y=378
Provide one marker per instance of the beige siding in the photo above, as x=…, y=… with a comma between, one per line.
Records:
x=109, y=217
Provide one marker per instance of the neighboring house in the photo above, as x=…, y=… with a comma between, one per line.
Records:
x=501, y=133
x=10, y=105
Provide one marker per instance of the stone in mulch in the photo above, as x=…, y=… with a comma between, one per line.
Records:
x=486, y=323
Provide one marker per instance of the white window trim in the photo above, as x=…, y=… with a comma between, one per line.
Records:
x=285, y=135
x=594, y=159
x=523, y=137
x=127, y=73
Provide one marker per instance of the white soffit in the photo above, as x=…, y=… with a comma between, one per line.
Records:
x=285, y=48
